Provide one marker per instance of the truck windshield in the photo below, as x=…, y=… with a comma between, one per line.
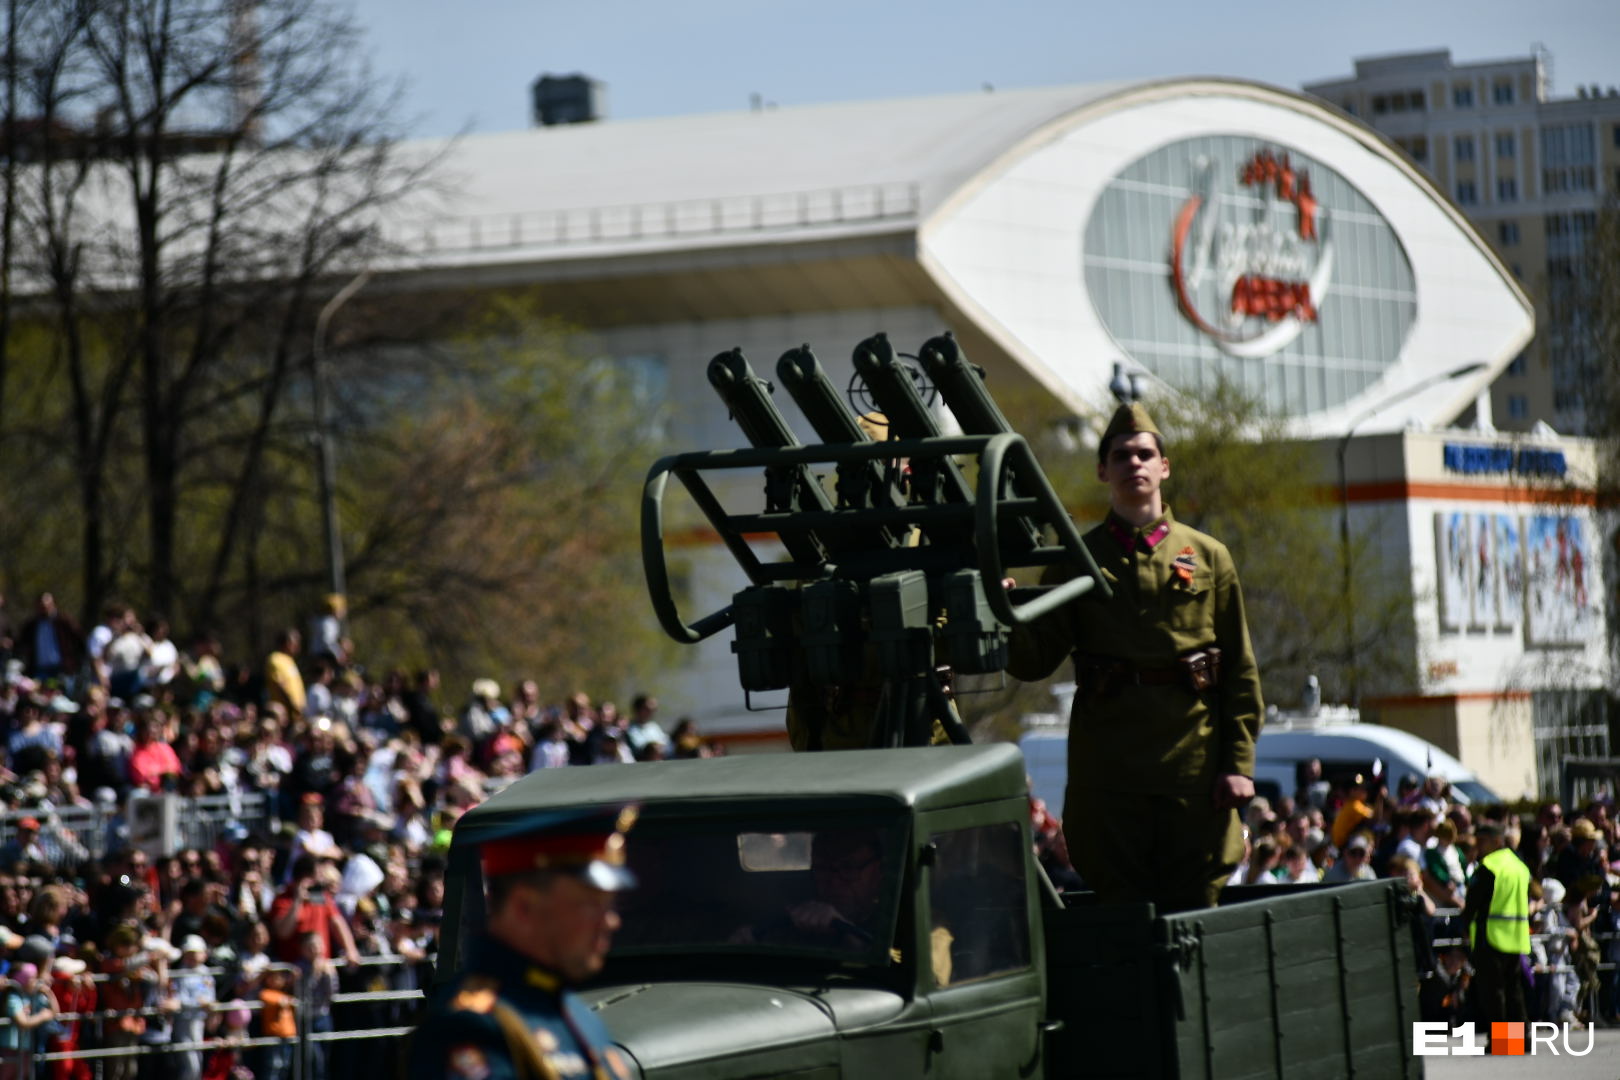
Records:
x=824, y=892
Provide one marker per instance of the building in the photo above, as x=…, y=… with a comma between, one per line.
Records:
x=1190, y=229
x=1530, y=169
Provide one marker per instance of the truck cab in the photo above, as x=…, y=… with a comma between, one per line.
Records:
x=933, y=965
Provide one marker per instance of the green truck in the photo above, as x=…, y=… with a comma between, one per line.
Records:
x=951, y=955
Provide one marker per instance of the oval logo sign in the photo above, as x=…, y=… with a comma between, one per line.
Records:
x=1236, y=256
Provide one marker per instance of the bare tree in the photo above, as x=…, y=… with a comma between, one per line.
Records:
x=205, y=169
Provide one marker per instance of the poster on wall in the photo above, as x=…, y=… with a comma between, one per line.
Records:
x=1482, y=571
x=1509, y=572
x=1558, y=605
x=1451, y=533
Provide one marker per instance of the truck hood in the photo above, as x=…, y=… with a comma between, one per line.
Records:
x=668, y=1024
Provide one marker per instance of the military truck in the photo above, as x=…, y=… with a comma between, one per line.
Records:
x=953, y=955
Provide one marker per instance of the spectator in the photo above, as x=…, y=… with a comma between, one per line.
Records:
x=23, y=847
x=318, y=693
x=550, y=747
x=306, y=906
x=129, y=977
x=193, y=990
x=75, y=992
x=277, y=1020
x=283, y=685
x=422, y=710
x=326, y=641
x=644, y=731
x=126, y=658
x=1353, y=814
x=162, y=657
x=50, y=644
x=484, y=714
x=311, y=839
x=153, y=764
x=1354, y=865
x=29, y=1006
x=318, y=981
x=1580, y=867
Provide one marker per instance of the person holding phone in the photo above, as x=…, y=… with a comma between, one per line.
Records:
x=306, y=906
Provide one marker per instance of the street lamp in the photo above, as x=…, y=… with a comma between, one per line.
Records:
x=324, y=452
x=1344, y=506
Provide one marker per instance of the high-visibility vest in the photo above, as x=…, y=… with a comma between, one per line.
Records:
x=1507, y=925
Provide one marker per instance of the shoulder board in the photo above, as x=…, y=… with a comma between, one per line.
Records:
x=475, y=994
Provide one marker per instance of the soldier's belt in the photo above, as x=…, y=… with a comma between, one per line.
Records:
x=1104, y=676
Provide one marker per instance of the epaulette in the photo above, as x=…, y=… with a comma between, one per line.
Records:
x=477, y=994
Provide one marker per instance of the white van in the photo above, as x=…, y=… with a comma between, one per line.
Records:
x=1344, y=745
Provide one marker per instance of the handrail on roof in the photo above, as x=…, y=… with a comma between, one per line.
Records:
x=684, y=218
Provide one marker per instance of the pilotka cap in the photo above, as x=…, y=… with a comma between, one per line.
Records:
x=1130, y=419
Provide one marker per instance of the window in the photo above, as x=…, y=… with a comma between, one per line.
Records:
x=1518, y=271
x=1507, y=233
x=1518, y=408
x=1462, y=97
x=1568, y=158
x=1463, y=148
x=1516, y=368
x=1502, y=93
x=1349, y=106
x=1418, y=147
x=1616, y=133
x=976, y=891
x=1467, y=193
x=1506, y=145
x=1380, y=104
x=1507, y=189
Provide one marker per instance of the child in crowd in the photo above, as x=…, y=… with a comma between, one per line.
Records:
x=320, y=983
x=277, y=1020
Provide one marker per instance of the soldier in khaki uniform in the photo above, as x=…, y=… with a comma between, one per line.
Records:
x=1167, y=710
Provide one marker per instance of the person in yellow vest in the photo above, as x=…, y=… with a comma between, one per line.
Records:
x=1497, y=920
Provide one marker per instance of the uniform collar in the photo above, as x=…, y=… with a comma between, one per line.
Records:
x=490, y=956
x=1145, y=539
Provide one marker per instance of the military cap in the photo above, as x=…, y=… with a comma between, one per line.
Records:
x=1130, y=419
x=587, y=842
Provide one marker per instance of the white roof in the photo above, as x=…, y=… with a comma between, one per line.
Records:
x=920, y=150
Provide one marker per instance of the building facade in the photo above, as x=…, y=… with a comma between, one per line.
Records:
x=1190, y=230
x=1530, y=169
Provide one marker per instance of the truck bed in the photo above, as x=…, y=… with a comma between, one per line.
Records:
x=1292, y=982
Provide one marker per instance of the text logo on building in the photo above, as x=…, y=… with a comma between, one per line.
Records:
x=1269, y=255
x=1240, y=257
x=1434, y=1039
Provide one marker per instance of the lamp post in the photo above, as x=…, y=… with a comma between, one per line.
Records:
x=326, y=456
x=1344, y=506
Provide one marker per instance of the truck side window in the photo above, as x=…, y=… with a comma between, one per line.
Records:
x=981, y=924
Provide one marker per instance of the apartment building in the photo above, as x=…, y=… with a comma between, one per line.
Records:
x=1530, y=169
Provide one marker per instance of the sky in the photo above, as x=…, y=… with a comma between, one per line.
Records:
x=467, y=65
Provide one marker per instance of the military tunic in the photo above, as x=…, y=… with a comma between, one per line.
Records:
x=1143, y=759
x=470, y=1032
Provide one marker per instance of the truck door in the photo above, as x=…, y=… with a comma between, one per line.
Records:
x=980, y=970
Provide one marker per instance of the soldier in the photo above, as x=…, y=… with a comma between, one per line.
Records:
x=1167, y=706
x=512, y=1013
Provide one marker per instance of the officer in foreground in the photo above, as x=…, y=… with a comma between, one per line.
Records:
x=1167, y=707
x=551, y=919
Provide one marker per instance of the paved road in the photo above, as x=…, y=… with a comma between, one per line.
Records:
x=1603, y=1063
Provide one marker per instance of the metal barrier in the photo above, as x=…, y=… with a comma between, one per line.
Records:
x=307, y=1049
x=71, y=834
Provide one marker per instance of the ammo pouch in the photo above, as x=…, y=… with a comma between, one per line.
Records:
x=1201, y=668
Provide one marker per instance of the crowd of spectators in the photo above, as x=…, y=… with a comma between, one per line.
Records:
x=336, y=887
x=1354, y=828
